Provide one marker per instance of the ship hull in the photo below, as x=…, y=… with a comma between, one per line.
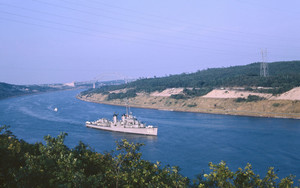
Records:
x=145, y=131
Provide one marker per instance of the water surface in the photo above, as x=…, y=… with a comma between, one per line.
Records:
x=188, y=140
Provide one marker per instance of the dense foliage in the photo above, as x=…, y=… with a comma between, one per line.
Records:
x=128, y=94
x=188, y=93
x=250, y=98
x=283, y=76
x=55, y=165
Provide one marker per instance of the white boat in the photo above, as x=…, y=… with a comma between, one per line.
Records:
x=55, y=109
x=127, y=124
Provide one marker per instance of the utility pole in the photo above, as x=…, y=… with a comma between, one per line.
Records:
x=264, y=69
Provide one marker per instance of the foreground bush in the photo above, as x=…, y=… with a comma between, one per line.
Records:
x=55, y=165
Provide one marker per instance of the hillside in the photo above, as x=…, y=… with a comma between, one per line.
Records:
x=283, y=76
x=235, y=90
x=10, y=90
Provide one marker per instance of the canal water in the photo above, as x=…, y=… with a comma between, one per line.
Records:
x=187, y=140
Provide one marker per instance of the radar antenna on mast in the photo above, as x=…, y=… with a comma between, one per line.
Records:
x=127, y=107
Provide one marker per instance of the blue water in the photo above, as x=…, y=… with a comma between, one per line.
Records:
x=188, y=140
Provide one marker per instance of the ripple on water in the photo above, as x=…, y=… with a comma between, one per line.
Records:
x=189, y=140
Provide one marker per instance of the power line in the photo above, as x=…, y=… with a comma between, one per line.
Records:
x=88, y=29
x=44, y=26
x=98, y=15
x=184, y=21
x=173, y=45
x=126, y=21
x=94, y=23
x=135, y=37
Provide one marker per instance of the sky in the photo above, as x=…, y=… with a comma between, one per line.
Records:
x=60, y=41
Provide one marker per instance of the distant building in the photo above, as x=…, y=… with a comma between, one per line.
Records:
x=72, y=84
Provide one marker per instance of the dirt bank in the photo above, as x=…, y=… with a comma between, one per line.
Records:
x=266, y=108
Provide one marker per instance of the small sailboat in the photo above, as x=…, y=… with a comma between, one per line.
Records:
x=55, y=110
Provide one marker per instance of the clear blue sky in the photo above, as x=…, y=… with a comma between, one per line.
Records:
x=58, y=41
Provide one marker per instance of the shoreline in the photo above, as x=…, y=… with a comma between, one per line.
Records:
x=265, y=114
x=37, y=93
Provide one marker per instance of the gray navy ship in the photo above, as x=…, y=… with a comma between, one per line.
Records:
x=127, y=124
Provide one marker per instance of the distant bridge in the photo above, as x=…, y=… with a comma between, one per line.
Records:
x=109, y=76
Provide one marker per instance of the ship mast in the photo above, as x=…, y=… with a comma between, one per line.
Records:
x=127, y=107
x=127, y=103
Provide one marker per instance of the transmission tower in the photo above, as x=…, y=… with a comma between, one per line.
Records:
x=264, y=69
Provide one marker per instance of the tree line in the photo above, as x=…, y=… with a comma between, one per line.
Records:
x=11, y=90
x=283, y=76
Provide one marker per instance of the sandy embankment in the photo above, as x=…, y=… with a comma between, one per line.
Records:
x=233, y=94
x=293, y=94
x=217, y=101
